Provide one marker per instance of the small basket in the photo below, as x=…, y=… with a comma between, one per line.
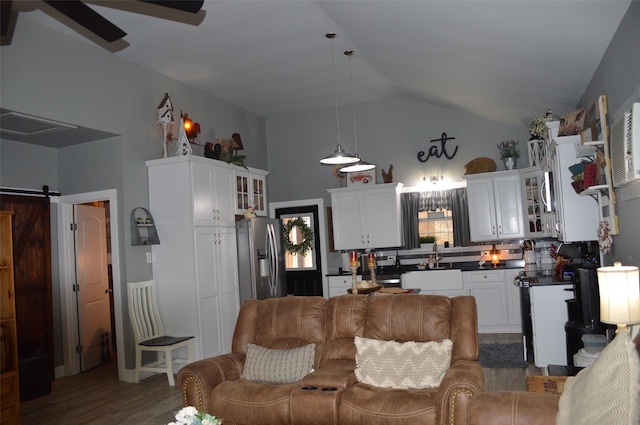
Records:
x=576, y=168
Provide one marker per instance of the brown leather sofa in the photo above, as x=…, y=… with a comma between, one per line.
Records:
x=331, y=393
x=513, y=408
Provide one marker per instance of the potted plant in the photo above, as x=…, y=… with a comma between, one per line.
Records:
x=509, y=153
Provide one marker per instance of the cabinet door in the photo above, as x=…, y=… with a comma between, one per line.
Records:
x=227, y=267
x=482, y=214
x=531, y=184
x=204, y=213
x=259, y=193
x=382, y=219
x=347, y=220
x=223, y=196
x=242, y=191
x=208, y=292
x=338, y=285
x=508, y=205
x=488, y=288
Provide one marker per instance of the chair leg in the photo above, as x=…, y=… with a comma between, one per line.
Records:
x=168, y=360
x=136, y=373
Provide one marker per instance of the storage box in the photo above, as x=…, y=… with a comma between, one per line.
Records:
x=594, y=344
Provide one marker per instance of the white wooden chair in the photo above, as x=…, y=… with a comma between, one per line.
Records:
x=149, y=332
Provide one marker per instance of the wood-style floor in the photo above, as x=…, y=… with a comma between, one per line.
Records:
x=98, y=398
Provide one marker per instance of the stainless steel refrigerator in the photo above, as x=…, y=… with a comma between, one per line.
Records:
x=261, y=266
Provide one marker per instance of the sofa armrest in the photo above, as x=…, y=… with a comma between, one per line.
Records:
x=463, y=380
x=330, y=378
x=513, y=408
x=201, y=377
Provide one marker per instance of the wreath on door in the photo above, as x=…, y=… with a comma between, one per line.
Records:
x=307, y=237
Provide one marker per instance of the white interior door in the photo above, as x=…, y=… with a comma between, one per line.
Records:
x=93, y=285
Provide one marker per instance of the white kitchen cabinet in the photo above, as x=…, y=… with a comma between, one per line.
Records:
x=538, y=223
x=367, y=217
x=495, y=206
x=211, y=187
x=195, y=265
x=435, y=282
x=250, y=186
x=338, y=285
x=576, y=216
x=497, y=299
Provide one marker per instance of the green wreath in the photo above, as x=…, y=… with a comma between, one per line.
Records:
x=307, y=237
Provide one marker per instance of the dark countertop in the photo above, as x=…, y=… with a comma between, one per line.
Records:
x=463, y=266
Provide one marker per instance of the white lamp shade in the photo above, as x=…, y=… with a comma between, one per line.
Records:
x=619, y=294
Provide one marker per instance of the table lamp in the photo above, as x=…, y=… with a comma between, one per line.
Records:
x=619, y=296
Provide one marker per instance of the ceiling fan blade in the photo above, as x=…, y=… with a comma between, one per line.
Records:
x=88, y=18
x=5, y=17
x=191, y=6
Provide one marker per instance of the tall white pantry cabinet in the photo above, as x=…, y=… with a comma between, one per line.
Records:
x=195, y=265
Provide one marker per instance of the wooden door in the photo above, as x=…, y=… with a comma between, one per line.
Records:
x=32, y=263
x=93, y=283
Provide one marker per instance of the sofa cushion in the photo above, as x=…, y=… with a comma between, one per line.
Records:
x=608, y=391
x=409, y=365
x=274, y=366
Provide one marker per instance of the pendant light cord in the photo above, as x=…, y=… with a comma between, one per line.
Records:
x=335, y=89
x=349, y=53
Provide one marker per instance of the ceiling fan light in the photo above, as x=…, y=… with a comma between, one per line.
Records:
x=339, y=157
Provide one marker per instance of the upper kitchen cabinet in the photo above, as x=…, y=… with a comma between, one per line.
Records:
x=208, y=182
x=576, y=216
x=539, y=220
x=367, y=217
x=495, y=206
x=250, y=190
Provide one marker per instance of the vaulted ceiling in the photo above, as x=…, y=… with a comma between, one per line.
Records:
x=502, y=60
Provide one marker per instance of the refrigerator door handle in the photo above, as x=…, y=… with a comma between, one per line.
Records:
x=272, y=256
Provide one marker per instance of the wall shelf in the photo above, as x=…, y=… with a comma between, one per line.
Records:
x=143, y=228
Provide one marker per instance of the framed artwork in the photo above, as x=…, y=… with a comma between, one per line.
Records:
x=361, y=178
x=573, y=123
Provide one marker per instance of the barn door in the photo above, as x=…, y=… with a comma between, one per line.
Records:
x=32, y=265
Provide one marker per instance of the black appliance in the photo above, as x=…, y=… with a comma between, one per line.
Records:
x=584, y=309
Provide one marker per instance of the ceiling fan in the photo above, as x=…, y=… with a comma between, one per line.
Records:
x=82, y=14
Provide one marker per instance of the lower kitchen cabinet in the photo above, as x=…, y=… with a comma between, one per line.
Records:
x=338, y=285
x=497, y=302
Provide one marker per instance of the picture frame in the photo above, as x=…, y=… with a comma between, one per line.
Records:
x=361, y=178
x=572, y=123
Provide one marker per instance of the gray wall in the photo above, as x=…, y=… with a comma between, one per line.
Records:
x=618, y=76
x=55, y=76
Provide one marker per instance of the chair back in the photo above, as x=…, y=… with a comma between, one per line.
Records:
x=143, y=311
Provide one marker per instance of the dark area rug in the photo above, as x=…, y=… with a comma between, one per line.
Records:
x=502, y=355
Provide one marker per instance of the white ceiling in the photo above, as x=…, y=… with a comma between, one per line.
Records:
x=502, y=60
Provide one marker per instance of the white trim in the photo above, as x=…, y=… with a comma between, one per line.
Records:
x=67, y=274
x=322, y=224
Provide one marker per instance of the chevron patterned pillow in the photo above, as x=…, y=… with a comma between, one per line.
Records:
x=408, y=365
x=278, y=366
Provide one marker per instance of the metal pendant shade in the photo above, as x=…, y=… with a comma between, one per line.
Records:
x=339, y=156
x=361, y=165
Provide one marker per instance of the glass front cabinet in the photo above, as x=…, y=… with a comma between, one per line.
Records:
x=250, y=190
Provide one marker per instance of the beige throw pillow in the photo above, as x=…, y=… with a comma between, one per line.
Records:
x=608, y=391
x=409, y=365
x=274, y=366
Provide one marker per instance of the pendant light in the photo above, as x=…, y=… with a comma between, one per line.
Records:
x=339, y=156
x=360, y=165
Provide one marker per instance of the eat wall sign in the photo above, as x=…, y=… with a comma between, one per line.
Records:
x=438, y=149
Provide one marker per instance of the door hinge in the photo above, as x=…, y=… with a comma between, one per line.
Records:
x=79, y=349
x=75, y=287
x=74, y=227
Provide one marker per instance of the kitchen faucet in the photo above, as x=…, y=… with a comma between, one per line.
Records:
x=438, y=256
